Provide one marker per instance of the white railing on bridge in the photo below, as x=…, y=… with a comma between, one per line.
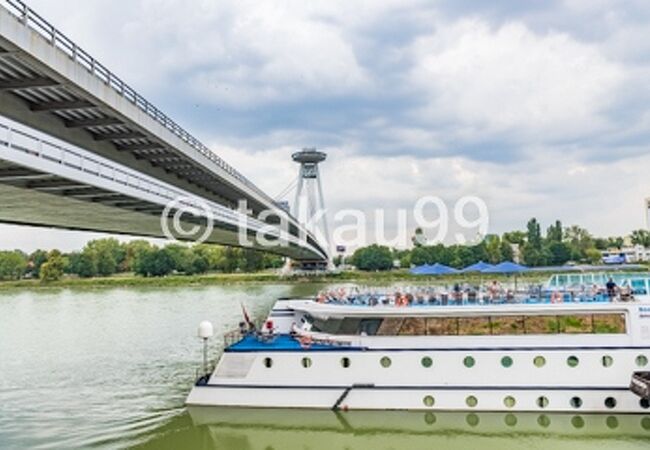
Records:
x=25, y=143
x=59, y=40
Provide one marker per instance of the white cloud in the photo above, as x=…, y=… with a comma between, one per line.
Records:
x=512, y=80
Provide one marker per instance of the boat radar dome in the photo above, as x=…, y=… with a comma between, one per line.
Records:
x=205, y=330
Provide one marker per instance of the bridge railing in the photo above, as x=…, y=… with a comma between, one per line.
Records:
x=15, y=138
x=59, y=40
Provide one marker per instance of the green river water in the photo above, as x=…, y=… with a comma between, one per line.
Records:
x=111, y=369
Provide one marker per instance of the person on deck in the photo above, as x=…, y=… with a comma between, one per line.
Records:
x=611, y=288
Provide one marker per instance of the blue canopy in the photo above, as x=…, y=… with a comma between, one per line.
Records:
x=435, y=269
x=477, y=267
x=506, y=267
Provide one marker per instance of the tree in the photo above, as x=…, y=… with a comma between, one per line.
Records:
x=554, y=232
x=579, y=241
x=12, y=265
x=559, y=253
x=641, y=237
x=493, y=248
x=133, y=250
x=515, y=237
x=507, y=254
x=52, y=268
x=154, y=262
x=36, y=260
x=534, y=234
x=83, y=264
x=109, y=254
x=373, y=257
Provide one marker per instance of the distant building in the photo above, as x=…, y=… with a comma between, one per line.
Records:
x=630, y=255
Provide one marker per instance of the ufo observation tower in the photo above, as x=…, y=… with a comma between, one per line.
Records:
x=309, y=203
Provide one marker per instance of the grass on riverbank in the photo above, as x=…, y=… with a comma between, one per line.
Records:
x=394, y=276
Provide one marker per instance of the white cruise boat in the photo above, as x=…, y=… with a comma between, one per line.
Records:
x=561, y=351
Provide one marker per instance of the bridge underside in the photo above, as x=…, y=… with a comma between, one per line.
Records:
x=30, y=197
x=49, y=84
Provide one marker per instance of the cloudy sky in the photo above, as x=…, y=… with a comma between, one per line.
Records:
x=538, y=107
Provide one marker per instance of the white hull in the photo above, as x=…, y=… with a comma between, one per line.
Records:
x=412, y=399
x=569, y=373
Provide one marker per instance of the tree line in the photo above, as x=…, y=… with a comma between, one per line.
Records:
x=106, y=257
x=557, y=246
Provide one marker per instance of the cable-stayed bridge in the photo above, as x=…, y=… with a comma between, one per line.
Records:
x=80, y=149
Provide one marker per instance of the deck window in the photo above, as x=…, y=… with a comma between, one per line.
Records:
x=576, y=402
x=350, y=326
x=507, y=325
x=608, y=361
x=539, y=361
x=413, y=326
x=609, y=323
x=476, y=325
x=641, y=360
x=471, y=401
x=385, y=362
x=428, y=401
x=427, y=362
x=442, y=326
x=369, y=327
x=390, y=326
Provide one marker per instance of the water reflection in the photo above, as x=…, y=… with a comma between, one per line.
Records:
x=248, y=429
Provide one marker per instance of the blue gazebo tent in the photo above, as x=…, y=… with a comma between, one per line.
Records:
x=435, y=269
x=507, y=268
x=477, y=267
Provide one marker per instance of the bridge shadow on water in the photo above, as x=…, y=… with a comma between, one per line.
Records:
x=248, y=429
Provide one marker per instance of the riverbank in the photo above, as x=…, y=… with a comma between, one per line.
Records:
x=387, y=277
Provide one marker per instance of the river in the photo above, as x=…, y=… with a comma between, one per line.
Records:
x=110, y=368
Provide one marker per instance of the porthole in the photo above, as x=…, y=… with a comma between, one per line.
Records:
x=306, y=362
x=428, y=401
x=543, y=421
x=472, y=420
x=471, y=401
x=576, y=402
x=506, y=361
x=607, y=361
x=577, y=422
x=572, y=361
x=426, y=362
x=641, y=360
x=345, y=362
x=644, y=403
x=611, y=422
x=430, y=418
x=539, y=361
x=645, y=423
x=610, y=402
x=268, y=363
x=469, y=361
x=509, y=401
x=542, y=402
x=510, y=420
x=385, y=362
